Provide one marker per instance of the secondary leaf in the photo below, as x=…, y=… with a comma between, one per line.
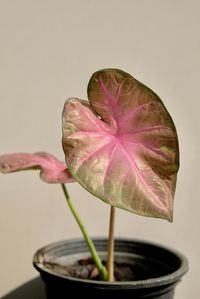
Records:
x=51, y=169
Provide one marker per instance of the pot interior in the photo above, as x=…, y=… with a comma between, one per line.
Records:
x=147, y=261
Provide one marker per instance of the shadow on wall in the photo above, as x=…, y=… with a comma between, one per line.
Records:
x=30, y=290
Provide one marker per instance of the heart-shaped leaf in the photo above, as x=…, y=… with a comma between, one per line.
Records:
x=122, y=146
x=51, y=169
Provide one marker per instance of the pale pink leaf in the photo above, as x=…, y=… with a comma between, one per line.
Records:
x=51, y=169
x=122, y=145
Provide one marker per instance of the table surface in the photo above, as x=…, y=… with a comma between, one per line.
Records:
x=32, y=289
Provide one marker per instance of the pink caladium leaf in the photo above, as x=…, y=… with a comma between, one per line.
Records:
x=122, y=145
x=51, y=169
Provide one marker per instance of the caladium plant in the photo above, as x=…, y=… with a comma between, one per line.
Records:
x=121, y=146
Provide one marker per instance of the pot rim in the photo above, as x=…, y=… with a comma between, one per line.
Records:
x=171, y=278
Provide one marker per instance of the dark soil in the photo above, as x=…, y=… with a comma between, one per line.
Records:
x=86, y=269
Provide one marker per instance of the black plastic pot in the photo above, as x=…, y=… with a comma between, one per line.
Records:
x=162, y=269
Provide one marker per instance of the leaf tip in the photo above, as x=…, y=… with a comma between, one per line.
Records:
x=170, y=218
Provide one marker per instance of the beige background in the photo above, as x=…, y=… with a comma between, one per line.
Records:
x=48, y=51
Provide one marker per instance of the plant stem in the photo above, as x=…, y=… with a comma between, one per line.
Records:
x=102, y=270
x=110, y=264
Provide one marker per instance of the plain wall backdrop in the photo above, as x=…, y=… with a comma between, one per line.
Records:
x=48, y=51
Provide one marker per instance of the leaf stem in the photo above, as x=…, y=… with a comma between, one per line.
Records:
x=110, y=263
x=102, y=270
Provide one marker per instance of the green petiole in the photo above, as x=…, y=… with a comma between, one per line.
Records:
x=102, y=269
